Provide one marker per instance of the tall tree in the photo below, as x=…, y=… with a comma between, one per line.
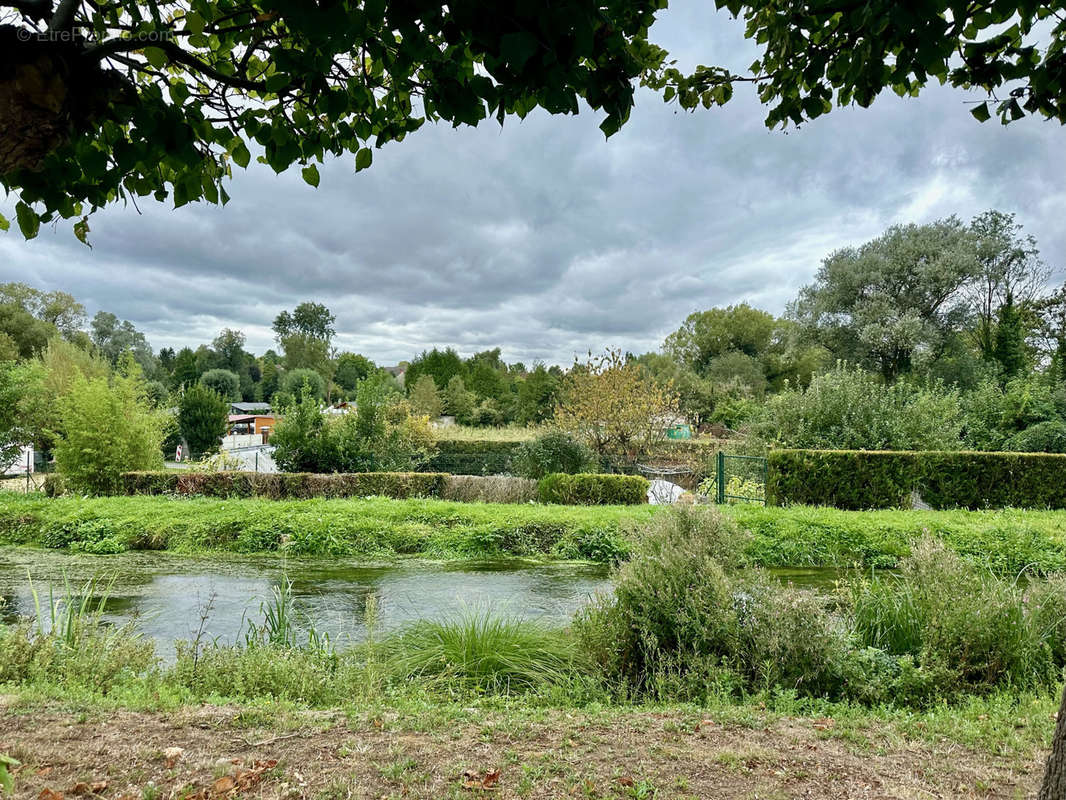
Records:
x=1009, y=341
x=58, y=309
x=894, y=299
x=1009, y=267
x=305, y=335
x=202, y=419
x=705, y=335
x=113, y=338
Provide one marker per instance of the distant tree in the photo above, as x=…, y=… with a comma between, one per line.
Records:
x=425, y=398
x=305, y=335
x=227, y=384
x=23, y=335
x=1009, y=348
x=740, y=369
x=13, y=432
x=487, y=375
x=894, y=300
x=109, y=427
x=293, y=381
x=203, y=416
x=538, y=394
x=350, y=369
x=186, y=371
x=113, y=338
x=706, y=335
x=58, y=309
x=615, y=408
x=166, y=358
x=441, y=365
x=1009, y=269
x=458, y=401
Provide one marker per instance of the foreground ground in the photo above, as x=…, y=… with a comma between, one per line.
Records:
x=224, y=751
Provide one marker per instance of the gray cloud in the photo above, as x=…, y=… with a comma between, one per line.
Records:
x=546, y=240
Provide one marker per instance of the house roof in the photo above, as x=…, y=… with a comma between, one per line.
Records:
x=249, y=408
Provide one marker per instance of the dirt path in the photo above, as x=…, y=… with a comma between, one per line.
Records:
x=225, y=753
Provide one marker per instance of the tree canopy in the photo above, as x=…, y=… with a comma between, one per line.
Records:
x=110, y=102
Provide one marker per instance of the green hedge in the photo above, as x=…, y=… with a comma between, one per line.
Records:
x=473, y=457
x=860, y=479
x=593, y=490
x=286, y=486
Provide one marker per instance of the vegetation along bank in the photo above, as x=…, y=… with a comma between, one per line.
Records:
x=1009, y=541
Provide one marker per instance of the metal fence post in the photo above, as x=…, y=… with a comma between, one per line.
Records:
x=28, y=471
x=721, y=477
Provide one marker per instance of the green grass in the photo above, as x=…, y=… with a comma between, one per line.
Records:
x=800, y=536
x=485, y=652
x=373, y=527
x=1008, y=541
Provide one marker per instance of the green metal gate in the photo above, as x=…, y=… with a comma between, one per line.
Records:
x=740, y=479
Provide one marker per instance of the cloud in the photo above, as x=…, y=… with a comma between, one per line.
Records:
x=544, y=239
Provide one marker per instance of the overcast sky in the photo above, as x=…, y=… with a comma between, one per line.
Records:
x=546, y=240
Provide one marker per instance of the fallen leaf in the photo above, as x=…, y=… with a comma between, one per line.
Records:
x=40, y=773
x=50, y=794
x=471, y=780
x=223, y=785
x=173, y=755
x=824, y=724
x=98, y=787
x=491, y=779
x=81, y=787
x=625, y=780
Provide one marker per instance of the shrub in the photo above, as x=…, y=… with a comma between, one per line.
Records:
x=553, y=451
x=855, y=479
x=683, y=619
x=380, y=436
x=960, y=626
x=593, y=490
x=288, y=486
x=488, y=489
x=851, y=409
x=108, y=427
x=1044, y=437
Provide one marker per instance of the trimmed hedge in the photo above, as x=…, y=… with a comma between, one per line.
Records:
x=593, y=490
x=861, y=479
x=286, y=486
x=473, y=457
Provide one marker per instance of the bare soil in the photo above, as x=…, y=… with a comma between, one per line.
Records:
x=211, y=753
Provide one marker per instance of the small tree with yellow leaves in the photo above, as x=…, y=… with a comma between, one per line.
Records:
x=615, y=408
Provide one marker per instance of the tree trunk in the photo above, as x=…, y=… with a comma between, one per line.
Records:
x=49, y=91
x=1054, y=787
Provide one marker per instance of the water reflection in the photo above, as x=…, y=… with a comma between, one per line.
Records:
x=166, y=594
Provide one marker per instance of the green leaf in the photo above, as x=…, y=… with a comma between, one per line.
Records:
x=81, y=230
x=156, y=56
x=981, y=112
x=194, y=23
x=363, y=159
x=29, y=222
x=517, y=48
x=310, y=173
x=240, y=154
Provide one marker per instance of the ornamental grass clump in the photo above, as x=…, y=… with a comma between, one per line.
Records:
x=484, y=652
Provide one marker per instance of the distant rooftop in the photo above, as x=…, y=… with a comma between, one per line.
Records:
x=248, y=408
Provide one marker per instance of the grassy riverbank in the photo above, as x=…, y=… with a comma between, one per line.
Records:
x=1008, y=541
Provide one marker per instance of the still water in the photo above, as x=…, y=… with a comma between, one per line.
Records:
x=167, y=594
